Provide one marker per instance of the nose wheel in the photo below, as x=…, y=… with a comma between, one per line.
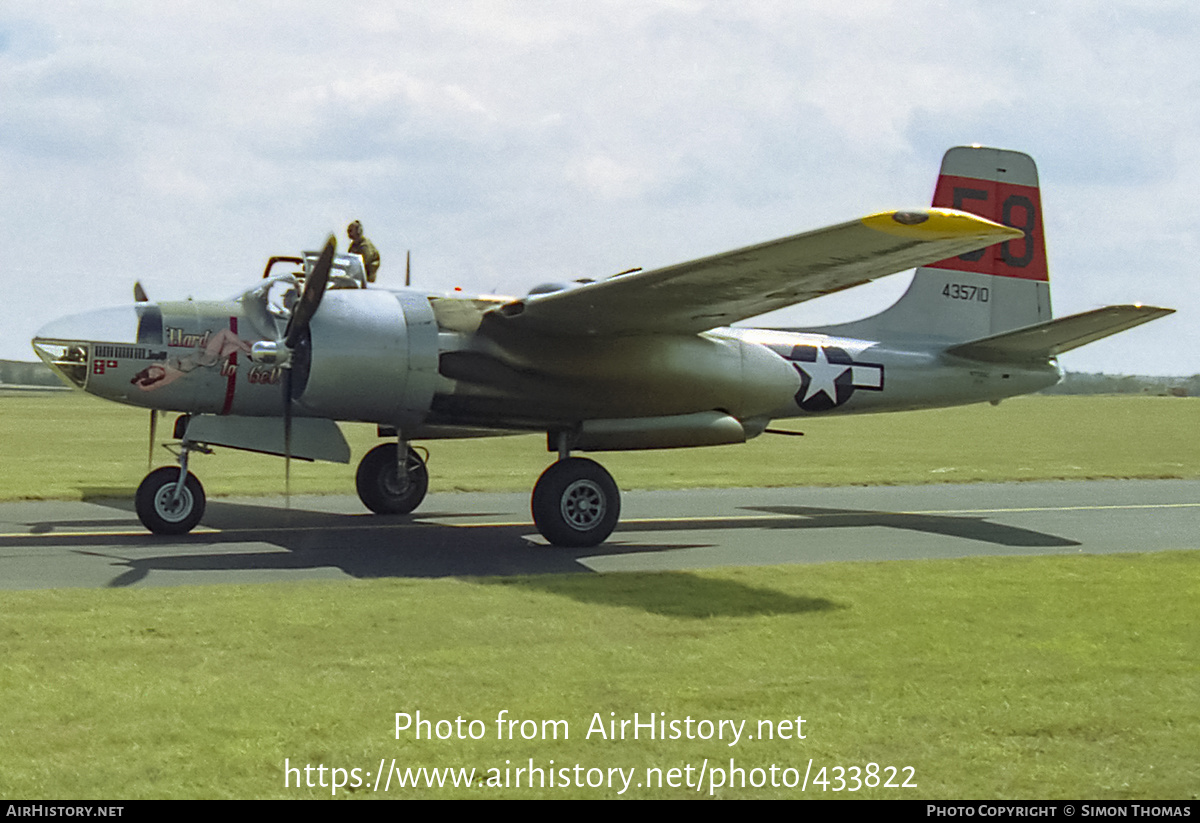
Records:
x=576, y=503
x=166, y=508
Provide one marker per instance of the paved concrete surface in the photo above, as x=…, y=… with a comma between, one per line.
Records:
x=99, y=542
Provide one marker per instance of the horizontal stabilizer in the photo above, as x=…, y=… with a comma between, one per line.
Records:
x=1053, y=337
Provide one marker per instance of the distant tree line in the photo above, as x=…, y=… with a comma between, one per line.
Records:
x=1080, y=383
x=19, y=373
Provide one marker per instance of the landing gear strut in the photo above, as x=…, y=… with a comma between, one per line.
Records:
x=381, y=486
x=171, y=500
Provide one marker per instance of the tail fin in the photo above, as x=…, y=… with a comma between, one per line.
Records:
x=982, y=293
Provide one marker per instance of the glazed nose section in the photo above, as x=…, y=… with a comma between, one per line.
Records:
x=66, y=344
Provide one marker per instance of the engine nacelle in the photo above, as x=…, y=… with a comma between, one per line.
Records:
x=373, y=358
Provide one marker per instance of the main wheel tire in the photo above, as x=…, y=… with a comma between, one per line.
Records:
x=576, y=503
x=157, y=507
x=378, y=483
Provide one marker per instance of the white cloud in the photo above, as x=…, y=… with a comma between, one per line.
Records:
x=609, y=179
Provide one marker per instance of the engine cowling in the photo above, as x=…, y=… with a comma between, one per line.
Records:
x=373, y=358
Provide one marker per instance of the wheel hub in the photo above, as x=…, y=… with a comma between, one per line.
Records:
x=168, y=507
x=583, y=505
x=395, y=484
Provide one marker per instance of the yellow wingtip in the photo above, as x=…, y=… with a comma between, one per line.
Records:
x=938, y=224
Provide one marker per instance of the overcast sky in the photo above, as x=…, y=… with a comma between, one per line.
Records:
x=512, y=143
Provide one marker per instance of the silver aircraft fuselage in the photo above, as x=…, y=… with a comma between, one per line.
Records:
x=385, y=356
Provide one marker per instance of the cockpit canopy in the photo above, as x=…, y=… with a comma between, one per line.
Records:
x=347, y=272
x=285, y=278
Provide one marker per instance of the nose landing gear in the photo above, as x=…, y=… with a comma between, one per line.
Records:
x=170, y=500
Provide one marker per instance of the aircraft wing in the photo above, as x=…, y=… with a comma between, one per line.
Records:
x=719, y=290
x=1053, y=337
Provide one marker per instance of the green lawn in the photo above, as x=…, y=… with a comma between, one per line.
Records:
x=1062, y=677
x=70, y=445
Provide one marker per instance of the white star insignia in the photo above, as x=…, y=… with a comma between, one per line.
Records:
x=822, y=375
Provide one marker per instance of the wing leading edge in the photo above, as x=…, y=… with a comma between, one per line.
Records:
x=716, y=291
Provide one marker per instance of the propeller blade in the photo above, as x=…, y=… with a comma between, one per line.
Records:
x=297, y=334
x=139, y=294
x=314, y=290
x=287, y=437
x=408, y=268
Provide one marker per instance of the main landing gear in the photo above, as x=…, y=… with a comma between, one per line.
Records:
x=575, y=503
x=383, y=487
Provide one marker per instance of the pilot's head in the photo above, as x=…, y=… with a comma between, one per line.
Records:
x=354, y=230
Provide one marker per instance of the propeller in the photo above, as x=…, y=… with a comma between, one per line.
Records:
x=408, y=268
x=139, y=296
x=314, y=290
x=298, y=341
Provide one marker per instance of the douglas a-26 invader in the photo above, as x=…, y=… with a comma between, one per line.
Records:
x=641, y=360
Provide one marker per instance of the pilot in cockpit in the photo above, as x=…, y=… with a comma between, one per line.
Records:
x=282, y=295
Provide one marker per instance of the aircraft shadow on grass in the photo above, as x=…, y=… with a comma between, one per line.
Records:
x=671, y=594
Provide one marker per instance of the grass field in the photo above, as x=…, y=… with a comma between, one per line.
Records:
x=71, y=445
x=1064, y=677
x=1054, y=677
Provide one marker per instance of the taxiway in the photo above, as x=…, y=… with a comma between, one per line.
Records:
x=100, y=543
